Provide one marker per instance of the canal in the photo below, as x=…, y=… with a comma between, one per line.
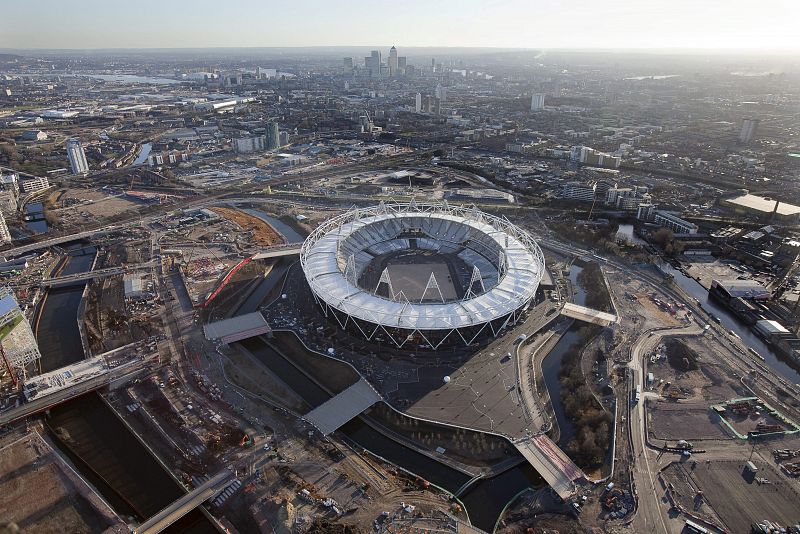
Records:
x=86, y=430
x=730, y=322
x=35, y=221
x=551, y=365
x=484, y=501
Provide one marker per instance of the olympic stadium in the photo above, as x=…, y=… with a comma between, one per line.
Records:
x=422, y=275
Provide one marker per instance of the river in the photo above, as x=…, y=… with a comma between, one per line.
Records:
x=729, y=321
x=89, y=433
x=291, y=235
x=34, y=218
x=484, y=501
x=551, y=365
x=141, y=158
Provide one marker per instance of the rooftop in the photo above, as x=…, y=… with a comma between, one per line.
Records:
x=763, y=204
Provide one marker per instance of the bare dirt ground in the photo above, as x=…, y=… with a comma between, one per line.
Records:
x=77, y=206
x=40, y=494
x=263, y=233
x=674, y=421
x=740, y=501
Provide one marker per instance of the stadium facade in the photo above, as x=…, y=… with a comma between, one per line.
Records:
x=422, y=275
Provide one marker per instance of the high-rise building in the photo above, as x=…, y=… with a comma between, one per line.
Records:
x=372, y=64
x=749, y=127
x=440, y=92
x=77, y=157
x=273, y=136
x=5, y=235
x=418, y=103
x=347, y=65
x=537, y=102
x=401, y=66
x=393, y=61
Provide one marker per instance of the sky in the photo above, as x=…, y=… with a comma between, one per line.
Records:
x=607, y=24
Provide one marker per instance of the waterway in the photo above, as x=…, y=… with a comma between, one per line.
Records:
x=551, y=365
x=143, y=153
x=484, y=501
x=34, y=218
x=89, y=433
x=625, y=232
x=730, y=322
x=291, y=235
x=131, y=78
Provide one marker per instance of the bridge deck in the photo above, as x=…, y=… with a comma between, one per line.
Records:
x=237, y=328
x=552, y=463
x=582, y=313
x=278, y=252
x=185, y=504
x=343, y=407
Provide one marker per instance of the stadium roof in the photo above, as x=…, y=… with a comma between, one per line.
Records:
x=524, y=267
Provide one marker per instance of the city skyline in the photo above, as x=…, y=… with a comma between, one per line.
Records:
x=619, y=24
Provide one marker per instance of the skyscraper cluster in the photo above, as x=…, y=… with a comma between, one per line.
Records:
x=374, y=67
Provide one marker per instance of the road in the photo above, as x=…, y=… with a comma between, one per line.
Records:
x=650, y=514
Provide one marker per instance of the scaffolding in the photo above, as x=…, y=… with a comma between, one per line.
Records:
x=17, y=343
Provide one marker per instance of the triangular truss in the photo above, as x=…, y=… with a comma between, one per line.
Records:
x=501, y=265
x=385, y=279
x=476, y=278
x=432, y=284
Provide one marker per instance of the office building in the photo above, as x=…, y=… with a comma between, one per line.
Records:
x=440, y=93
x=393, y=62
x=674, y=223
x=537, y=102
x=347, y=65
x=581, y=192
x=77, y=157
x=401, y=66
x=749, y=127
x=273, y=136
x=418, y=103
x=372, y=64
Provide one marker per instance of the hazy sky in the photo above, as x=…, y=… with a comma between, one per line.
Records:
x=737, y=24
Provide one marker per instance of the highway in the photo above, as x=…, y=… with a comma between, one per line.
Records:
x=185, y=504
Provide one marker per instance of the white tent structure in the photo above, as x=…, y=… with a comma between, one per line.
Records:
x=506, y=265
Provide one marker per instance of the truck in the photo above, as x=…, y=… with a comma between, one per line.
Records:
x=637, y=395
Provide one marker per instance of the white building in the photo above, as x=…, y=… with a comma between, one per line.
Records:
x=246, y=145
x=674, y=223
x=578, y=191
x=749, y=127
x=537, y=102
x=77, y=157
x=5, y=235
x=33, y=184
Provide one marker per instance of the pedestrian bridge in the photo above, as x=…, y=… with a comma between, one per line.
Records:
x=237, y=328
x=278, y=251
x=582, y=313
x=552, y=463
x=185, y=504
x=335, y=412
